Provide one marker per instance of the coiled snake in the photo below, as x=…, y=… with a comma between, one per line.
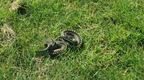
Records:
x=68, y=38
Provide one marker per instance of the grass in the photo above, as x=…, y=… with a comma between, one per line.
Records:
x=112, y=30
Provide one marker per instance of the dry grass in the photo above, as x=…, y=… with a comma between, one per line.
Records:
x=7, y=36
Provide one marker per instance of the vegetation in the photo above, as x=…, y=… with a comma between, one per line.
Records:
x=112, y=31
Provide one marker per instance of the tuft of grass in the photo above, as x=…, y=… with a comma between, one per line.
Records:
x=7, y=37
x=112, y=31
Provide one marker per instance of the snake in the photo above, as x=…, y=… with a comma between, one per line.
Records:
x=60, y=44
x=72, y=38
x=52, y=48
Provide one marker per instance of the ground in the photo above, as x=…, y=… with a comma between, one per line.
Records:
x=112, y=31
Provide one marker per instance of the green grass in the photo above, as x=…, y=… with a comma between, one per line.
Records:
x=112, y=30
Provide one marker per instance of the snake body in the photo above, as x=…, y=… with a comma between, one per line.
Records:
x=72, y=38
x=57, y=48
x=67, y=38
